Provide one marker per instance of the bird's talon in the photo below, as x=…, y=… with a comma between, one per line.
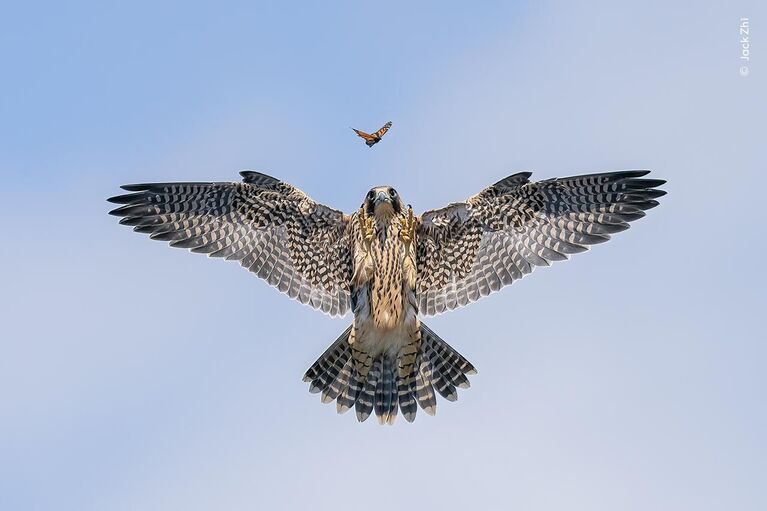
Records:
x=407, y=227
x=407, y=230
x=367, y=226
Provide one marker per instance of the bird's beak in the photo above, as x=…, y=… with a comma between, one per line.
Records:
x=382, y=197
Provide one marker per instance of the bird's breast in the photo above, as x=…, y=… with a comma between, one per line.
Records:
x=390, y=281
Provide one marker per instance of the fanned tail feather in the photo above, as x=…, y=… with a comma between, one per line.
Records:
x=364, y=404
x=389, y=385
x=323, y=374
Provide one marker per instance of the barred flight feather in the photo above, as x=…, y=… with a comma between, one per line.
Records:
x=471, y=249
x=272, y=228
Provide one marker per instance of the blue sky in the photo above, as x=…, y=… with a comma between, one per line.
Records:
x=134, y=376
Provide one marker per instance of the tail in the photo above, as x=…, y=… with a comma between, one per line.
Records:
x=390, y=384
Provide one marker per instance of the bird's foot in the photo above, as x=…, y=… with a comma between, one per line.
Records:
x=407, y=230
x=367, y=226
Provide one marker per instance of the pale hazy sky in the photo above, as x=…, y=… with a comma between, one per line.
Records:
x=137, y=377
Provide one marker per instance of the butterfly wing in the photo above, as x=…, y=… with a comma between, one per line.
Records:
x=367, y=136
x=380, y=133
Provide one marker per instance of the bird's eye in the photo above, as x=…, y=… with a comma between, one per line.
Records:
x=392, y=192
x=371, y=195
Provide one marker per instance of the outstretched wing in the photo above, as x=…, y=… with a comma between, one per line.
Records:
x=470, y=249
x=380, y=133
x=272, y=228
x=367, y=136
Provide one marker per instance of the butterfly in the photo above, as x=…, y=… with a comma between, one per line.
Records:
x=373, y=139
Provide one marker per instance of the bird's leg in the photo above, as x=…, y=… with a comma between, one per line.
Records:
x=367, y=229
x=407, y=231
x=367, y=226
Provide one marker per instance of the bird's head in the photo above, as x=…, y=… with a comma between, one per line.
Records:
x=383, y=202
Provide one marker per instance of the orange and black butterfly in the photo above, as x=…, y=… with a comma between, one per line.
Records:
x=373, y=139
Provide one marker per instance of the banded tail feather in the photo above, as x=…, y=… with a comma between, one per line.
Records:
x=391, y=385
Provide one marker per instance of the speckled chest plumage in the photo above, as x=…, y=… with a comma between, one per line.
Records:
x=385, y=280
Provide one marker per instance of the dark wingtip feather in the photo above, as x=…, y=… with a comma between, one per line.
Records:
x=649, y=204
x=257, y=178
x=614, y=228
x=632, y=173
x=118, y=199
x=633, y=216
x=132, y=220
x=645, y=194
x=137, y=187
x=518, y=179
x=133, y=210
x=128, y=198
x=645, y=183
x=168, y=235
x=184, y=242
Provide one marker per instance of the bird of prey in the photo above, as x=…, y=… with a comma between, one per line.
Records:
x=388, y=266
x=373, y=139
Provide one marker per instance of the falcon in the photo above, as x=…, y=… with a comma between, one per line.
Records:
x=388, y=266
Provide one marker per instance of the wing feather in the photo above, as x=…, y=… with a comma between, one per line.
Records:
x=470, y=249
x=270, y=227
